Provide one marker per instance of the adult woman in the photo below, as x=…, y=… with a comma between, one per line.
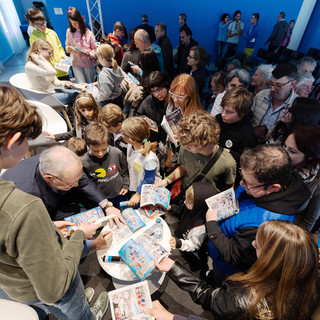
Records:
x=260, y=78
x=304, y=84
x=302, y=111
x=303, y=147
x=197, y=60
x=282, y=284
x=154, y=105
x=81, y=44
x=223, y=31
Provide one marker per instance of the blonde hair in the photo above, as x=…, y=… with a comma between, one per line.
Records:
x=39, y=43
x=105, y=52
x=77, y=145
x=85, y=101
x=111, y=115
x=285, y=273
x=198, y=130
x=190, y=195
x=186, y=83
x=138, y=130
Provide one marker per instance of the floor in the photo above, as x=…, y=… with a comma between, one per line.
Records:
x=14, y=65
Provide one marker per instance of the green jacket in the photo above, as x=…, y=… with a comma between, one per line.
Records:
x=36, y=261
x=53, y=39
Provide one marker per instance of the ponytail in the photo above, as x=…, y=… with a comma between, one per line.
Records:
x=149, y=146
x=114, y=64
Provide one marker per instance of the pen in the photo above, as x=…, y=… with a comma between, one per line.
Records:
x=110, y=258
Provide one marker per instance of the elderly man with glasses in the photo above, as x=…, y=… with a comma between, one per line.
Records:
x=269, y=104
x=269, y=190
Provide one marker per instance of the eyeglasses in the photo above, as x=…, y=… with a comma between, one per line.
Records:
x=177, y=96
x=155, y=91
x=277, y=86
x=50, y=53
x=190, y=57
x=246, y=184
x=306, y=87
x=67, y=183
x=38, y=25
x=123, y=134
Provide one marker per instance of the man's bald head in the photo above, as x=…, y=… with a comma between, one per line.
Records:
x=142, y=39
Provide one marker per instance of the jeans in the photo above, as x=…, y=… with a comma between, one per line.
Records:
x=66, y=96
x=229, y=48
x=72, y=306
x=83, y=75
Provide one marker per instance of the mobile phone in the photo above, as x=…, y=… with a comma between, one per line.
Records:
x=131, y=63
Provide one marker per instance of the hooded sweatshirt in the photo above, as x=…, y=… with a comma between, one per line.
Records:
x=109, y=81
x=36, y=261
x=191, y=231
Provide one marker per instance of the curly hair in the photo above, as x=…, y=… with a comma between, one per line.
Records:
x=17, y=115
x=199, y=130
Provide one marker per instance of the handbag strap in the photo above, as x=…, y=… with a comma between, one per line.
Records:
x=207, y=167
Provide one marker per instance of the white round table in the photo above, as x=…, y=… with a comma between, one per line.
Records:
x=121, y=274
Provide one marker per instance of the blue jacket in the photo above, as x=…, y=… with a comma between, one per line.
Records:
x=251, y=36
x=230, y=244
x=158, y=52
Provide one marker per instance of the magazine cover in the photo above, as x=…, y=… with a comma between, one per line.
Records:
x=128, y=302
x=64, y=64
x=149, y=196
x=137, y=259
x=148, y=212
x=225, y=203
x=90, y=216
x=170, y=124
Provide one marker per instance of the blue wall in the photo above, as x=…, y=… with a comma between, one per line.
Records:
x=311, y=37
x=6, y=52
x=202, y=16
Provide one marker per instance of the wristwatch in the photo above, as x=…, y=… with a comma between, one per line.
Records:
x=108, y=205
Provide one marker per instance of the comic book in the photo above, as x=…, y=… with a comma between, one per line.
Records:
x=64, y=64
x=150, y=197
x=170, y=124
x=134, y=222
x=151, y=124
x=225, y=202
x=138, y=253
x=92, y=216
x=128, y=302
x=132, y=81
x=78, y=49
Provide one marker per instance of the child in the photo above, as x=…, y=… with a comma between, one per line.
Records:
x=86, y=110
x=104, y=164
x=236, y=131
x=112, y=117
x=77, y=145
x=191, y=232
x=217, y=87
x=39, y=22
x=78, y=35
x=110, y=77
x=43, y=76
x=143, y=163
x=117, y=40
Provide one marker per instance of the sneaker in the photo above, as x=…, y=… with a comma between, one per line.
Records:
x=100, y=306
x=89, y=292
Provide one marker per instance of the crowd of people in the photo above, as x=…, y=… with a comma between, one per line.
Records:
x=256, y=133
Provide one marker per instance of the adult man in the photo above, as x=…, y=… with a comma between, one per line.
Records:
x=38, y=266
x=278, y=33
x=269, y=104
x=166, y=48
x=234, y=31
x=182, y=19
x=251, y=37
x=142, y=41
x=146, y=27
x=186, y=43
x=269, y=190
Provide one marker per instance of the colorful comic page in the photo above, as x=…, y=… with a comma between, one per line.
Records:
x=133, y=219
x=149, y=196
x=137, y=259
x=128, y=302
x=225, y=203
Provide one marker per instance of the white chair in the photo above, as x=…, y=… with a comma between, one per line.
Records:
x=20, y=80
x=11, y=310
x=51, y=122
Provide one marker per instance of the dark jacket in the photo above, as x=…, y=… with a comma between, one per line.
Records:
x=150, y=31
x=27, y=177
x=182, y=55
x=200, y=77
x=278, y=33
x=165, y=44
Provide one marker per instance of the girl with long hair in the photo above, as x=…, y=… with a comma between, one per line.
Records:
x=282, y=284
x=87, y=111
x=303, y=147
x=81, y=44
x=143, y=164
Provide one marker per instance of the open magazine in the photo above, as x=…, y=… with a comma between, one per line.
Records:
x=139, y=253
x=225, y=203
x=78, y=49
x=149, y=196
x=128, y=302
x=64, y=64
x=170, y=124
